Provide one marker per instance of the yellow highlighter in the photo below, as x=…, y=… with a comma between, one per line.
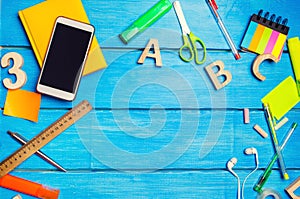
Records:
x=294, y=49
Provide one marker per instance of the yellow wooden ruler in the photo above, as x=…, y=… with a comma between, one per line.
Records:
x=44, y=137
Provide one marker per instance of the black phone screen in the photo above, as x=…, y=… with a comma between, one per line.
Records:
x=65, y=58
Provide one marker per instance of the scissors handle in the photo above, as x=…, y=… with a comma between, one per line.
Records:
x=186, y=45
x=194, y=40
x=190, y=45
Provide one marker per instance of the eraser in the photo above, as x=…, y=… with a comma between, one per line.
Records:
x=260, y=131
x=246, y=116
x=281, y=123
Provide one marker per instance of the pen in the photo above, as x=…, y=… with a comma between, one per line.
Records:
x=23, y=141
x=275, y=142
x=213, y=6
x=264, y=177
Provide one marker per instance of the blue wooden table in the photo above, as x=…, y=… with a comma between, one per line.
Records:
x=155, y=132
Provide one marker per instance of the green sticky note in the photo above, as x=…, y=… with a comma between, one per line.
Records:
x=264, y=40
x=282, y=98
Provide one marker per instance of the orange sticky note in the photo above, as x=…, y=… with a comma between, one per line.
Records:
x=22, y=104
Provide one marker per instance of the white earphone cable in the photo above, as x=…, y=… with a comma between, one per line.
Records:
x=244, y=182
x=230, y=164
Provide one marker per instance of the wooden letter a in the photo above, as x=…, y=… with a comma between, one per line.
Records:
x=156, y=54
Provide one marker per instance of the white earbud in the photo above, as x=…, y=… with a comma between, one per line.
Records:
x=250, y=151
x=230, y=165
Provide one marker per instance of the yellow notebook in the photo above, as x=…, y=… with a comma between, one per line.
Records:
x=38, y=22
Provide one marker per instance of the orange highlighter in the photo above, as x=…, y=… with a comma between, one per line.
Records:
x=28, y=187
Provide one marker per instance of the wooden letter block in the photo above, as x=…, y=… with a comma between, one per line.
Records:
x=18, y=62
x=259, y=59
x=156, y=55
x=221, y=72
x=292, y=188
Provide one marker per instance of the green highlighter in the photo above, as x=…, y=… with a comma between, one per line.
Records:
x=146, y=20
x=294, y=49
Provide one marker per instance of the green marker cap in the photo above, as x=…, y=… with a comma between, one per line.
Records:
x=146, y=20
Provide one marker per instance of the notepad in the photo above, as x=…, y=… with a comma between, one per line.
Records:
x=38, y=22
x=265, y=35
x=282, y=98
x=22, y=104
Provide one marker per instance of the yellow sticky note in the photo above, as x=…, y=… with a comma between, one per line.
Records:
x=279, y=45
x=282, y=98
x=22, y=104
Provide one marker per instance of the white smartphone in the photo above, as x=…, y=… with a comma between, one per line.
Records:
x=65, y=58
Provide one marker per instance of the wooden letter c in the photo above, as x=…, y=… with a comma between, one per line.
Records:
x=259, y=59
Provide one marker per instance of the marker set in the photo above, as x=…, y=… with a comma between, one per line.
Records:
x=265, y=36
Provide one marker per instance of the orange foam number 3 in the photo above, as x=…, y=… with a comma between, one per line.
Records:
x=18, y=62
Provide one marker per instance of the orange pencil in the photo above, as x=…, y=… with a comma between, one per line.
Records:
x=28, y=187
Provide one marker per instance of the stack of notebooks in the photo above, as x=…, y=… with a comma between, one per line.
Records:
x=38, y=22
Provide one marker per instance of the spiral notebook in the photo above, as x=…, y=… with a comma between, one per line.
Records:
x=265, y=35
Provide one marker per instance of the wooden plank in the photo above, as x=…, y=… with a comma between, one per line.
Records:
x=44, y=137
x=115, y=19
x=140, y=108
x=57, y=149
x=179, y=84
x=218, y=136
x=166, y=184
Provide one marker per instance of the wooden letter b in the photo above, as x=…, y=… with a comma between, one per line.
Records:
x=221, y=72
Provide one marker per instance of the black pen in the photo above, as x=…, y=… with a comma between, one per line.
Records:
x=23, y=141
